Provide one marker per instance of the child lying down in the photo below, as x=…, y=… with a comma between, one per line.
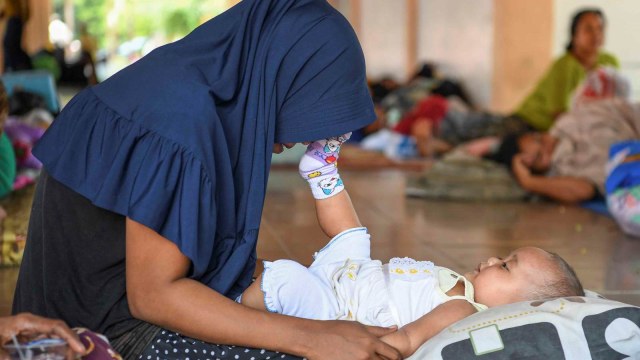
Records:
x=419, y=297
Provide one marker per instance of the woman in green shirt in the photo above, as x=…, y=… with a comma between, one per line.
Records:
x=551, y=96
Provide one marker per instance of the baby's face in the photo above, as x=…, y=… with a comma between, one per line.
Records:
x=503, y=281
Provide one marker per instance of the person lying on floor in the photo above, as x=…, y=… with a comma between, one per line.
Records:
x=438, y=123
x=420, y=298
x=568, y=163
x=431, y=127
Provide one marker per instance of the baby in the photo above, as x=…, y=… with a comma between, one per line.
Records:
x=420, y=298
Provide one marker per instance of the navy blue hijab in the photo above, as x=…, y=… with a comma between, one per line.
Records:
x=181, y=140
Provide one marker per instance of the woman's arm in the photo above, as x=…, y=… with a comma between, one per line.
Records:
x=562, y=188
x=411, y=336
x=159, y=293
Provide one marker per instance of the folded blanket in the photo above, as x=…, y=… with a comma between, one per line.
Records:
x=458, y=176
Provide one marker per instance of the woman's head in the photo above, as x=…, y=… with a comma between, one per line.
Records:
x=587, y=31
x=323, y=91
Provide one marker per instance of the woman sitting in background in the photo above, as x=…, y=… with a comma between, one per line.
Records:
x=551, y=96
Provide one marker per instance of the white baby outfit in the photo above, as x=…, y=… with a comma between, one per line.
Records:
x=343, y=283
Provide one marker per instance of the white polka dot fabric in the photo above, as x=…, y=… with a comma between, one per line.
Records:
x=168, y=345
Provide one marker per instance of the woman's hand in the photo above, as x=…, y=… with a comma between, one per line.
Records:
x=28, y=326
x=482, y=146
x=350, y=341
x=521, y=171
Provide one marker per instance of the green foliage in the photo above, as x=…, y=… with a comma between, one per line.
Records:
x=180, y=22
x=92, y=13
x=169, y=18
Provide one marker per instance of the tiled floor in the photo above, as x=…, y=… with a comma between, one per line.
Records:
x=456, y=235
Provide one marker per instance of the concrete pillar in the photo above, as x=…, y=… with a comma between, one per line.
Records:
x=413, y=12
x=523, y=35
x=36, y=32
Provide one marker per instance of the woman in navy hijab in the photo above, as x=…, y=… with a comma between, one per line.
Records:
x=145, y=220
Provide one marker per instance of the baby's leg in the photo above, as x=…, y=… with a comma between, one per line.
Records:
x=319, y=168
x=286, y=287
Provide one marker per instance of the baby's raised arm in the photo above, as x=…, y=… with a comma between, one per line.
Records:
x=411, y=336
x=319, y=167
x=336, y=214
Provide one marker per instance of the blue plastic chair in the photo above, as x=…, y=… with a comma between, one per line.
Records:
x=35, y=81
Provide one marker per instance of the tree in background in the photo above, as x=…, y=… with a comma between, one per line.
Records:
x=133, y=22
x=180, y=22
x=91, y=12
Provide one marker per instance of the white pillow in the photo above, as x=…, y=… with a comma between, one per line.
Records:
x=563, y=328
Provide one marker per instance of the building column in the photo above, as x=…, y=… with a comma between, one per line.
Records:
x=523, y=35
x=36, y=32
x=413, y=11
